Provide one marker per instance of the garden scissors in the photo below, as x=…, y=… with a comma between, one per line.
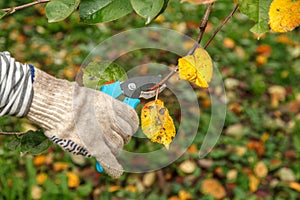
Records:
x=133, y=89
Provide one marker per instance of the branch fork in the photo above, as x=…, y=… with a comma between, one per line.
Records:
x=202, y=28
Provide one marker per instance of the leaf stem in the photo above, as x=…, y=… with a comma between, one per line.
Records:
x=14, y=9
x=156, y=95
x=221, y=26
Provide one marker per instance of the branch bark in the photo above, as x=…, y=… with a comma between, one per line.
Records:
x=14, y=9
x=202, y=28
x=221, y=26
x=12, y=133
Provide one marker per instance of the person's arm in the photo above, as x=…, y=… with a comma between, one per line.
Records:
x=81, y=120
x=16, y=92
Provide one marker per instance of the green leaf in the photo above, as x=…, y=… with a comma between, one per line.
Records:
x=95, y=11
x=97, y=74
x=163, y=8
x=34, y=142
x=14, y=144
x=3, y=14
x=296, y=141
x=256, y=10
x=89, y=8
x=84, y=190
x=147, y=9
x=58, y=10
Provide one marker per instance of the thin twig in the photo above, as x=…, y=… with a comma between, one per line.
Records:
x=202, y=28
x=221, y=26
x=14, y=9
x=12, y=133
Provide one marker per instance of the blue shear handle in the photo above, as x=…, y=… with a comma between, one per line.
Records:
x=99, y=168
x=114, y=90
x=132, y=102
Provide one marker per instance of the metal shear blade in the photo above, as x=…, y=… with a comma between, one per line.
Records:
x=138, y=87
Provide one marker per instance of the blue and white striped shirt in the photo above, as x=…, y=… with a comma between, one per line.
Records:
x=16, y=91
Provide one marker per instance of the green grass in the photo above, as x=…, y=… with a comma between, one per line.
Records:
x=60, y=46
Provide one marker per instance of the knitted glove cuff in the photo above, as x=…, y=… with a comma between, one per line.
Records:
x=52, y=100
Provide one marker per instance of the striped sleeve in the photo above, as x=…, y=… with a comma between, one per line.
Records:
x=16, y=91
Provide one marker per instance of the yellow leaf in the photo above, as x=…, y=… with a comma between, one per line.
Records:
x=160, y=19
x=261, y=170
x=284, y=15
x=149, y=179
x=59, y=166
x=284, y=39
x=229, y=43
x=168, y=176
x=265, y=137
x=214, y=188
x=131, y=188
x=36, y=192
x=157, y=123
x=184, y=195
x=174, y=198
x=232, y=175
x=39, y=160
x=241, y=151
x=188, y=166
x=114, y=188
x=261, y=60
x=294, y=185
x=258, y=146
x=196, y=68
x=253, y=183
x=193, y=149
x=41, y=178
x=73, y=180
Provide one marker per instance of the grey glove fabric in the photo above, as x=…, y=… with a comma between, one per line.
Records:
x=16, y=90
x=83, y=121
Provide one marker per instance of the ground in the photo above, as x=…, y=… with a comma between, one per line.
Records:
x=257, y=155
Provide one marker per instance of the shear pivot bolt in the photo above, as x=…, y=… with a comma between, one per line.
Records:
x=131, y=86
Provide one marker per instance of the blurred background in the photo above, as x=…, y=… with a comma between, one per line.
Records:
x=257, y=155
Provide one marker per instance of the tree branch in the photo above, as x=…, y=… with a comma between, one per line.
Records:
x=221, y=26
x=14, y=9
x=12, y=133
x=202, y=28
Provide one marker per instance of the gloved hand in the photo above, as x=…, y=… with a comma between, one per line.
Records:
x=81, y=120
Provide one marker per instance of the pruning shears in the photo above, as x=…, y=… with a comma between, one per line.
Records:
x=133, y=89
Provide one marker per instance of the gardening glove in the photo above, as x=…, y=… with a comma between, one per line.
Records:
x=81, y=120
